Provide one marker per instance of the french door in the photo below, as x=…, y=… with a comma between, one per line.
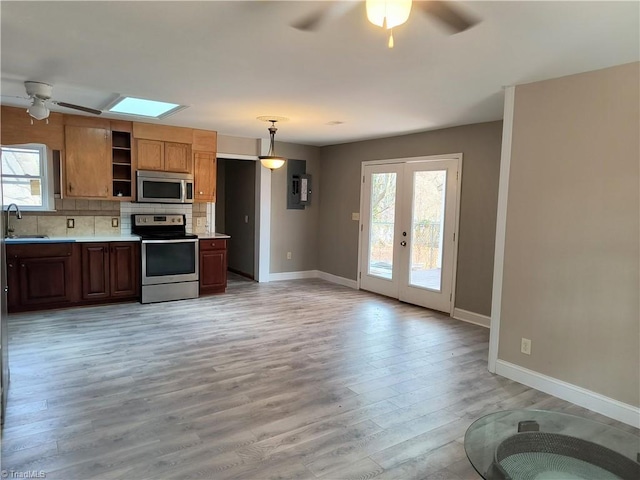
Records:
x=407, y=247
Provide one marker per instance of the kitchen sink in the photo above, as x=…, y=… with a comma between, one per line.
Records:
x=28, y=236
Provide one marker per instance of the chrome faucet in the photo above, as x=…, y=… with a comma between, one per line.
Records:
x=8, y=230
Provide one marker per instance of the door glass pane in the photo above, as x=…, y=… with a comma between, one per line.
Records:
x=382, y=221
x=427, y=224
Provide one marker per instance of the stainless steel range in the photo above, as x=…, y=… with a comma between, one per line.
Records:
x=169, y=258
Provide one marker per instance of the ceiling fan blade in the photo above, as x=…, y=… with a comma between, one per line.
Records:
x=312, y=22
x=79, y=107
x=453, y=17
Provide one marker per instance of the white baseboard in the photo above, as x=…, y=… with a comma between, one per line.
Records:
x=274, y=277
x=339, y=280
x=566, y=391
x=471, y=317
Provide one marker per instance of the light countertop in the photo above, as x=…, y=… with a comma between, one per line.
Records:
x=210, y=235
x=97, y=238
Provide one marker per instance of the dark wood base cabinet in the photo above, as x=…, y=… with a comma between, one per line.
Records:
x=56, y=275
x=213, y=266
x=110, y=270
x=43, y=275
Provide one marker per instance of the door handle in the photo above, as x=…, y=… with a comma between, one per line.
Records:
x=403, y=243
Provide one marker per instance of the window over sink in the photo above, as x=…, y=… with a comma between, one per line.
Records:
x=27, y=176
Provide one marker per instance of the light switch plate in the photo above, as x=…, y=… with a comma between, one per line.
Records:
x=355, y=216
x=115, y=222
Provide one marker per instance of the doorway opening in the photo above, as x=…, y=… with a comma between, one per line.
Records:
x=235, y=213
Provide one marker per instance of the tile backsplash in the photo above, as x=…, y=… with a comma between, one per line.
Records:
x=97, y=217
x=90, y=217
x=56, y=225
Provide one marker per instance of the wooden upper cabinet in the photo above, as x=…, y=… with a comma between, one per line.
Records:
x=177, y=157
x=205, y=176
x=205, y=145
x=164, y=133
x=87, y=163
x=164, y=156
x=204, y=141
x=150, y=155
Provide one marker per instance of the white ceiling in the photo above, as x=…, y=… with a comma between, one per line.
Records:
x=233, y=61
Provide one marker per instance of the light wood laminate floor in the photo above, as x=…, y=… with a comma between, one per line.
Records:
x=297, y=380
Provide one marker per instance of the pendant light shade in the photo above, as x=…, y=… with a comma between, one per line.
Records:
x=38, y=109
x=271, y=160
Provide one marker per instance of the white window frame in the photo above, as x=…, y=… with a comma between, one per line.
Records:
x=46, y=177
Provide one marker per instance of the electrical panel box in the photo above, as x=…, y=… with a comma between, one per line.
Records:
x=301, y=186
x=298, y=185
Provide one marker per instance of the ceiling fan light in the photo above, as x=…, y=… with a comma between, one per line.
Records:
x=388, y=13
x=38, y=109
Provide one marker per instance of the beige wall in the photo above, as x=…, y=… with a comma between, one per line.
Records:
x=238, y=145
x=571, y=266
x=480, y=145
x=294, y=231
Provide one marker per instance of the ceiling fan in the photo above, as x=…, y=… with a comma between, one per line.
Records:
x=40, y=94
x=392, y=13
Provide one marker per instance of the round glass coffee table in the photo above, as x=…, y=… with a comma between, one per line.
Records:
x=543, y=445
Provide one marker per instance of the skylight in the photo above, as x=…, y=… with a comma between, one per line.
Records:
x=144, y=108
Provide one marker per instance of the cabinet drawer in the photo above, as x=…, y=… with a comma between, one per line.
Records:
x=39, y=250
x=213, y=244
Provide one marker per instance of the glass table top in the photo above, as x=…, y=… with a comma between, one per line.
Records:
x=544, y=445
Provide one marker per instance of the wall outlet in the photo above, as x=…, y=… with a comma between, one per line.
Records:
x=71, y=223
x=525, y=346
x=200, y=221
x=288, y=255
x=115, y=222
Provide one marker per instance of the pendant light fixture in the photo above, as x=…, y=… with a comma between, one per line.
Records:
x=388, y=14
x=271, y=160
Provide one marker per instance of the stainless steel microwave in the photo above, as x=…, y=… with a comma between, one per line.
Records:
x=164, y=187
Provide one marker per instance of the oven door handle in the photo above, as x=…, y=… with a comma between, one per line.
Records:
x=179, y=240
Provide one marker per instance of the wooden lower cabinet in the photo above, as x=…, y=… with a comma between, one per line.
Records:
x=42, y=275
x=110, y=270
x=57, y=275
x=213, y=266
x=95, y=271
x=124, y=263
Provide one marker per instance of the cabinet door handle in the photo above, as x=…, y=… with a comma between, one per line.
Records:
x=23, y=265
x=10, y=265
x=70, y=187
